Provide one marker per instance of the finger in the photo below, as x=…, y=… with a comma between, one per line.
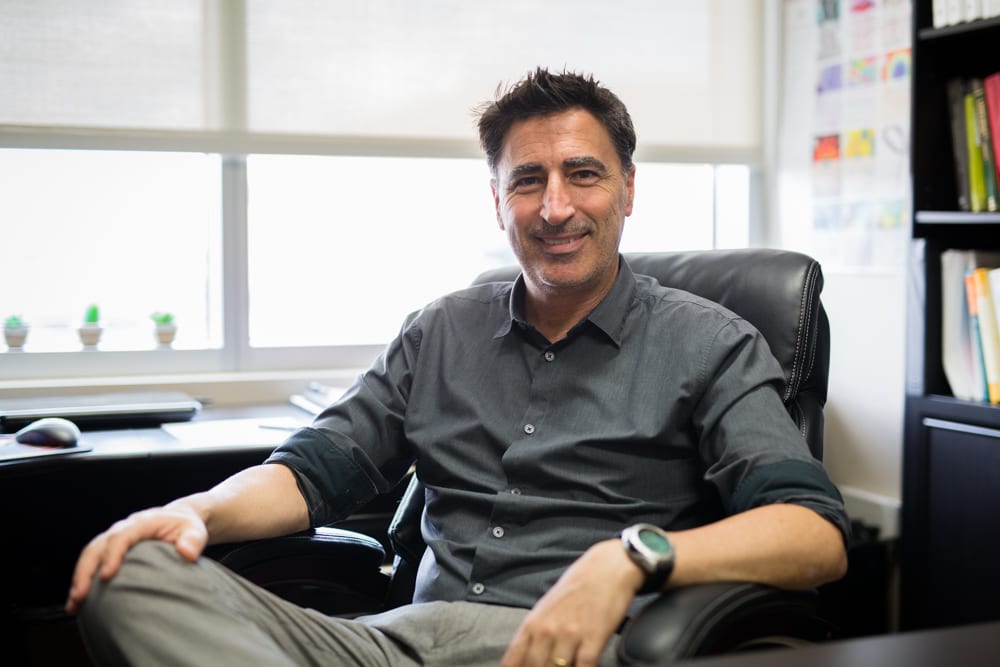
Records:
x=83, y=574
x=539, y=653
x=514, y=657
x=191, y=543
x=588, y=654
x=564, y=652
x=115, y=547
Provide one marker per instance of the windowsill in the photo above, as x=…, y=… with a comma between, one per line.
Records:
x=217, y=389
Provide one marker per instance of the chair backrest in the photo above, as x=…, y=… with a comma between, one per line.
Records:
x=777, y=291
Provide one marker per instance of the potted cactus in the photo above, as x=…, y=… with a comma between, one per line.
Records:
x=91, y=329
x=15, y=331
x=166, y=329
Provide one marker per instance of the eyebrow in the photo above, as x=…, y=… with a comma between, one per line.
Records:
x=585, y=161
x=569, y=163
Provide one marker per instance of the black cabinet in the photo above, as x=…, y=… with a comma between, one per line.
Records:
x=951, y=455
x=951, y=507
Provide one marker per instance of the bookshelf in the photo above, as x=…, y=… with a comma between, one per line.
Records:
x=951, y=450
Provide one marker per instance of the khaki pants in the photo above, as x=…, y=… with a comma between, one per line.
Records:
x=161, y=610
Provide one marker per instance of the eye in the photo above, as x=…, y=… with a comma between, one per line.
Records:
x=525, y=184
x=585, y=175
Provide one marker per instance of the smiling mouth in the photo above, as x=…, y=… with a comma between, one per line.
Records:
x=565, y=240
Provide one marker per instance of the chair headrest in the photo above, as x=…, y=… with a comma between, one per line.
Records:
x=777, y=291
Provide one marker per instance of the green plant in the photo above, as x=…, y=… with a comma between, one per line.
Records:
x=13, y=322
x=93, y=314
x=162, y=319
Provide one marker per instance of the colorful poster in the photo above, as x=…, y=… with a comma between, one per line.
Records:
x=861, y=132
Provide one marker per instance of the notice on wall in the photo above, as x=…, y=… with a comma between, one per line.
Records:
x=861, y=133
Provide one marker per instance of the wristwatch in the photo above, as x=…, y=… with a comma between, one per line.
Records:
x=649, y=547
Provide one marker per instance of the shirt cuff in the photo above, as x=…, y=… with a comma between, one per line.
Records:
x=331, y=483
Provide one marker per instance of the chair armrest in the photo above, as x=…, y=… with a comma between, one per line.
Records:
x=713, y=618
x=335, y=571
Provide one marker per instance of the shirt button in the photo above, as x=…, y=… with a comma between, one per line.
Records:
x=497, y=532
x=478, y=588
x=550, y=355
x=529, y=428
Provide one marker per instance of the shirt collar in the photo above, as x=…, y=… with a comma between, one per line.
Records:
x=608, y=316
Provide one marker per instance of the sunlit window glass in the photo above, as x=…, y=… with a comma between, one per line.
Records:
x=132, y=233
x=342, y=248
x=672, y=210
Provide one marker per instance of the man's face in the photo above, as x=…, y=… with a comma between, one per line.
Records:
x=562, y=197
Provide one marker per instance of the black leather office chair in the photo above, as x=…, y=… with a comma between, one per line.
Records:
x=778, y=292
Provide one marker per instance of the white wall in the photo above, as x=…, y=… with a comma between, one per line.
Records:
x=864, y=415
x=866, y=306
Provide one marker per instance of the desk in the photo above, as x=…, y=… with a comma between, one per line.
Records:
x=962, y=646
x=51, y=506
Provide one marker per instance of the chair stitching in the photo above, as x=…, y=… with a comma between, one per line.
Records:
x=805, y=311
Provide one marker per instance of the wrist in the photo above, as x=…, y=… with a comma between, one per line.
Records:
x=650, y=549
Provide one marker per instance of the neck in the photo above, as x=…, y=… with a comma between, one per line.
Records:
x=554, y=312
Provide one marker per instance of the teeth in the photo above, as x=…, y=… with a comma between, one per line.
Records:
x=560, y=241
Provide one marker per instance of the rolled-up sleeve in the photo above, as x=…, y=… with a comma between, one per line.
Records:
x=357, y=447
x=750, y=459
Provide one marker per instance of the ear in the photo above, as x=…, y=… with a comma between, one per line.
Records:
x=496, y=201
x=630, y=190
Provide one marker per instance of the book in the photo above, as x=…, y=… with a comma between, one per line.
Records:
x=940, y=13
x=954, y=11
x=316, y=397
x=974, y=153
x=956, y=338
x=989, y=332
x=978, y=391
x=991, y=89
x=973, y=10
x=995, y=291
x=956, y=115
x=961, y=356
x=994, y=279
x=985, y=142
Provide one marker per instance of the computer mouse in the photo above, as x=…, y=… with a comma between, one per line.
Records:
x=49, y=432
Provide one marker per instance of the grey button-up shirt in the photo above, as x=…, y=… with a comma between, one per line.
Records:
x=659, y=407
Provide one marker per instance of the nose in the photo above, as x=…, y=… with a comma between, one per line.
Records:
x=557, y=201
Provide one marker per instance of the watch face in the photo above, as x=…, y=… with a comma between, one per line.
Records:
x=654, y=541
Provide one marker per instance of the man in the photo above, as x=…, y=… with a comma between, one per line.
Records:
x=544, y=417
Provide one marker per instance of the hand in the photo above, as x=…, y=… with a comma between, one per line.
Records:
x=180, y=526
x=572, y=623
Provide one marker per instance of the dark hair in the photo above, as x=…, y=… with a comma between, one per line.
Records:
x=541, y=93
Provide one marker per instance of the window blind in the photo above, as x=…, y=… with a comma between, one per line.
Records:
x=383, y=70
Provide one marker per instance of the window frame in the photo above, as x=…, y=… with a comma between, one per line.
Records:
x=263, y=373
x=236, y=355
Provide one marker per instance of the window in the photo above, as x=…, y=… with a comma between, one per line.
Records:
x=131, y=232
x=290, y=207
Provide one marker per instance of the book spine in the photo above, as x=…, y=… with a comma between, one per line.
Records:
x=989, y=333
x=940, y=9
x=956, y=114
x=973, y=10
x=955, y=10
x=994, y=282
x=991, y=89
x=985, y=145
x=977, y=184
x=980, y=391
